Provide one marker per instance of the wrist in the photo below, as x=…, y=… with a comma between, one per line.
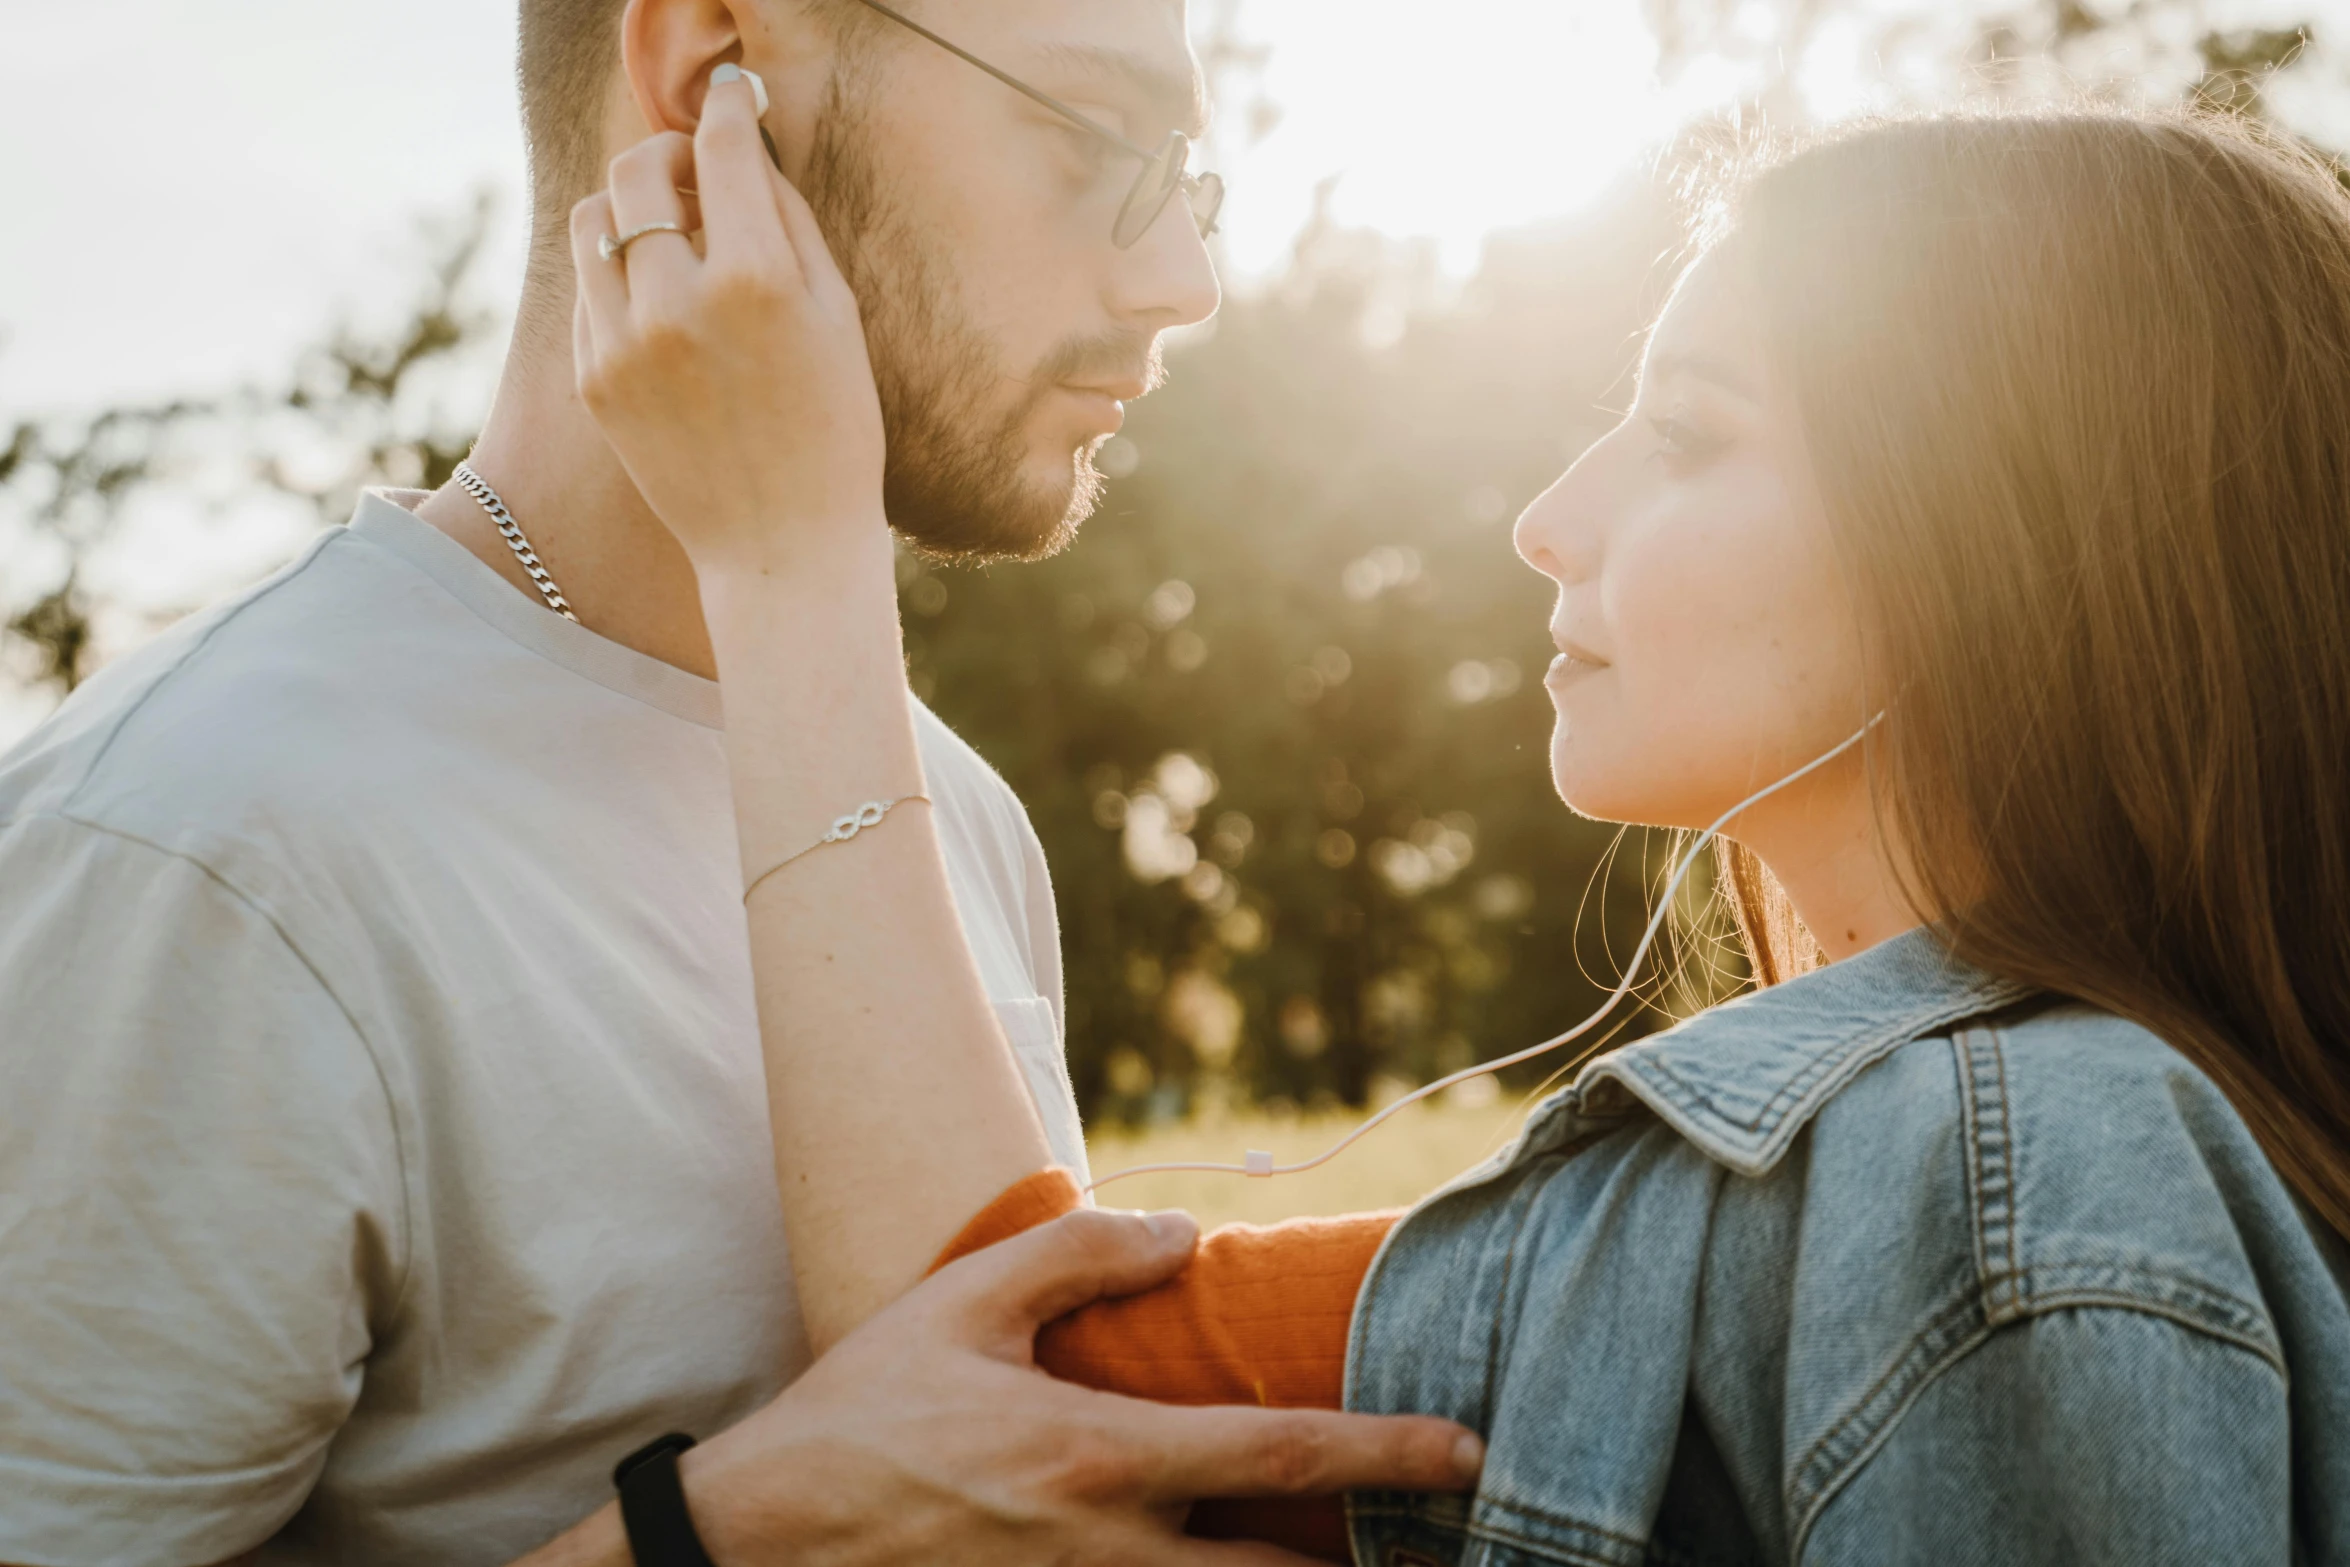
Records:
x=752, y=1505
x=806, y=557
x=843, y=597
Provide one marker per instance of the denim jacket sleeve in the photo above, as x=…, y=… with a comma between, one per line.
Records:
x=2093, y=1435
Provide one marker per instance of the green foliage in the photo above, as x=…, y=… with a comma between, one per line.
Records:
x=69, y=483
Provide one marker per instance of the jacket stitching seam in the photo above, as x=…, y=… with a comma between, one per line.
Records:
x=2013, y=1216
x=1486, y=1528
x=1645, y=1550
x=1564, y=1554
x=2187, y=1301
x=1990, y=1172
x=1543, y=1515
x=1828, y=1490
x=1944, y=1323
x=1537, y=1513
x=1971, y=1130
x=1947, y=1338
x=2068, y=1300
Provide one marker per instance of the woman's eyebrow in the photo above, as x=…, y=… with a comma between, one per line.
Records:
x=1703, y=366
x=1177, y=97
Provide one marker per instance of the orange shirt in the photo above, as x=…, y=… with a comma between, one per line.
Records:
x=1259, y=1317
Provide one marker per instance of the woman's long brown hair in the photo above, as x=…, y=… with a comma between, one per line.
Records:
x=2076, y=388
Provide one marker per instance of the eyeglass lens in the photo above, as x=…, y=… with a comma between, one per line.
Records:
x=1157, y=184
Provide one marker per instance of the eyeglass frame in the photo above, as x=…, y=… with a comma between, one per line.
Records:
x=1173, y=154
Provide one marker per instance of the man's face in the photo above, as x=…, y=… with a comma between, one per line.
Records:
x=1007, y=330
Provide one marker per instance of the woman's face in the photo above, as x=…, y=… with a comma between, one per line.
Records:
x=1707, y=643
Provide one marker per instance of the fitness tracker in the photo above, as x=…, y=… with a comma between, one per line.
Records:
x=652, y=1506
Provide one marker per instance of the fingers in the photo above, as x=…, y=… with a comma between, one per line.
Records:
x=733, y=175
x=1301, y=1452
x=645, y=181
x=1018, y=1286
x=808, y=243
x=583, y=341
x=603, y=292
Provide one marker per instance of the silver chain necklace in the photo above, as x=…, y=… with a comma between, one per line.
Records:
x=511, y=531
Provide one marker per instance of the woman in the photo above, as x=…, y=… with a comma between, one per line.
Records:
x=2005, y=1222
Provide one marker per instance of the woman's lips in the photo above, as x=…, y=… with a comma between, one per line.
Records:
x=1568, y=668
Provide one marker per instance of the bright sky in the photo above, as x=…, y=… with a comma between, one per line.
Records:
x=192, y=189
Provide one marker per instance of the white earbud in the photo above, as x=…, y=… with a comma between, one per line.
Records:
x=731, y=72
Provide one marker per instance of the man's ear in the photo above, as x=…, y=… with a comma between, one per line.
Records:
x=668, y=48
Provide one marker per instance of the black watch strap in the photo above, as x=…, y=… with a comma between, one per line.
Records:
x=652, y=1506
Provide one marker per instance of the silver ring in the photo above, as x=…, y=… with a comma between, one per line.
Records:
x=612, y=246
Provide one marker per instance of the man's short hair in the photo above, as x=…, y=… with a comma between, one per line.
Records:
x=569, y=51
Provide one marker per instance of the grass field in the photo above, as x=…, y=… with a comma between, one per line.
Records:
x=1411, y=1155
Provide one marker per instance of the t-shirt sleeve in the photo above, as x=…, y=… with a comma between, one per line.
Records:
x=201, y=1207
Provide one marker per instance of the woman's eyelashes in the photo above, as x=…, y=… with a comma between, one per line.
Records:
x=1681, y=446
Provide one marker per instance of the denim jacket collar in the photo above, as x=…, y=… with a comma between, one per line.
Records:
x=1742, y=1079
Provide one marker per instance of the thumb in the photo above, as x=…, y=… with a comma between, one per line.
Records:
x=1005, y=1293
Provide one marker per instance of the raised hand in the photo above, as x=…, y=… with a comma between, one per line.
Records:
x=727, y=367
x=730, y=375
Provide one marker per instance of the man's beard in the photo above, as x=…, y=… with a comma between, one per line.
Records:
x=953, y=486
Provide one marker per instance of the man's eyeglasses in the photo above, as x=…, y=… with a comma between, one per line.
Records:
x=1163, y=174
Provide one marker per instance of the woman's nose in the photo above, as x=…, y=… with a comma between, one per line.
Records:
x=1554, y=534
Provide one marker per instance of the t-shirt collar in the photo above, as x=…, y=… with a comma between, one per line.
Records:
x=383, y=518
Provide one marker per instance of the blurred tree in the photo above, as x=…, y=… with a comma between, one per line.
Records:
x=362, y=408
x=1924, y=52
x=66, y=485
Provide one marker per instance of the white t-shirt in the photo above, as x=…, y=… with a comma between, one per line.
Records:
x=383, y=1137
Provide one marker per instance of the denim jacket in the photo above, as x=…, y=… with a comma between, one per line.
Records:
x=1893, y=1263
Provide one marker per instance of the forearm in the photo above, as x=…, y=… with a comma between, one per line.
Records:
x=898, y=1108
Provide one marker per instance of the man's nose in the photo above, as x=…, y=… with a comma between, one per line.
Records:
x=1166, y=278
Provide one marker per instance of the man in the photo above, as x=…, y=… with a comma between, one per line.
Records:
x=386, y=1151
